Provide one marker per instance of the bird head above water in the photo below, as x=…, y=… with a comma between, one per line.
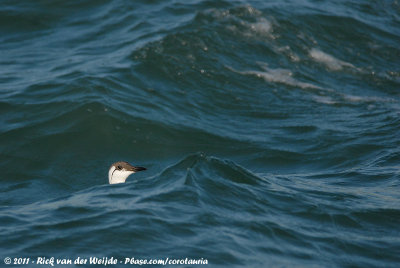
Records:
x=120, y=171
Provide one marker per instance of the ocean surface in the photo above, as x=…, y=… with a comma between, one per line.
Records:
x=270, y=131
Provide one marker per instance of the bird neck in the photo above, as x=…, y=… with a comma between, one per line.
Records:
x=117, y=176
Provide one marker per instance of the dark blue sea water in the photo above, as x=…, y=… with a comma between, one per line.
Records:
x=270, y=131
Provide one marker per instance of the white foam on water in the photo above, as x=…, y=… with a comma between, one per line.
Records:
x=286, y=50
x=324, y=100
x=328, y=97
x=248, y=22
x=262, y=26
x=365, y=99
x=341, y=98
x=329, y=61
x=282, y=76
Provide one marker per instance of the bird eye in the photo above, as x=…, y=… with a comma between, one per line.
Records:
x=119, y=167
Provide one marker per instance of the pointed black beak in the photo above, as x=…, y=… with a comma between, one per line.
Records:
x=136, y=169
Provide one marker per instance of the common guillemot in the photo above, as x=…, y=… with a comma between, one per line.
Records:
x=120, y=171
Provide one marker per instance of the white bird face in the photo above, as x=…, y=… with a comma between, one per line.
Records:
x=120, y=171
